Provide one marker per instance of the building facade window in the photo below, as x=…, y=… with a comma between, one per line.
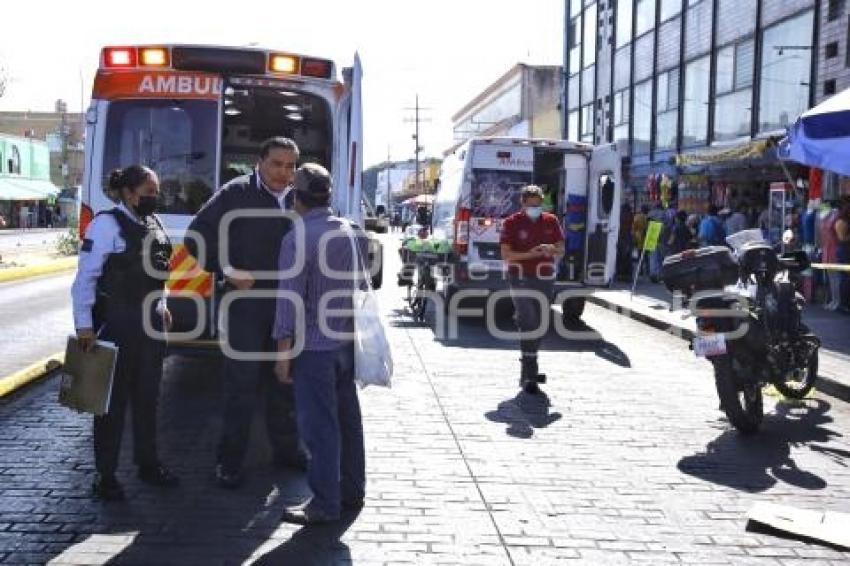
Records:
x=642, y=118
x=621, y=116
x=695, y=109
x=667, y=110
x=670, y=8
x=575, y=43
x=645, y=11
x=587, y=123
x=572, y=126
x=624, y=22
x=735, y=18
x=832, y=50
x=785, y=72
x=834, y=9
x=698, y=29
x=589, y=35
x=829, y=87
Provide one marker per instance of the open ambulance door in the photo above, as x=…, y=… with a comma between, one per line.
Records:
x=604, y=190
x=347, y=181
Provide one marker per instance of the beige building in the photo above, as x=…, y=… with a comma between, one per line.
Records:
x=47, y=126
x=521, y=103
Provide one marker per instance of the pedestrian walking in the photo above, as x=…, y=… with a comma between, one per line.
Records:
x=253, y=245
x=108, y=295
x=711, y=231
x=532, y=242
x=639, y=226
x=681, y=236
x=842, y=232
x=323, y=372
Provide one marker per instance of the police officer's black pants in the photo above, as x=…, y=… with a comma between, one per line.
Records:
x=249, y=329
x=532, y=299
x=138, y=373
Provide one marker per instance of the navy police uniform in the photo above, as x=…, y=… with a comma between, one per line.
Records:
x=108, y=295
x=253, y=244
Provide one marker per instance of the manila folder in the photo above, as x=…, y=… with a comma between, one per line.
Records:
x=86, y=384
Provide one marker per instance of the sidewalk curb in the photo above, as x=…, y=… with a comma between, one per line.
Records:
x=824, y=383
x=39, y=369
x=46, y=268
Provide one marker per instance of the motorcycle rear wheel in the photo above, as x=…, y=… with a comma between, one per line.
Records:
x=742, y=402
x=799, y=388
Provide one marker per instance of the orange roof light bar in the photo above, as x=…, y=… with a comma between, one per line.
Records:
x=316, y=68
x=154, y=57
x=279, y=63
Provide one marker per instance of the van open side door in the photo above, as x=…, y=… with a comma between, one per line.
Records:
x=604, y=189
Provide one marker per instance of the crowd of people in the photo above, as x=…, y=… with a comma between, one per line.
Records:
x=821, y=229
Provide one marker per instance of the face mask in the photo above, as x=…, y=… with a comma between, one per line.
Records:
x=534, y=212
x=146, y=206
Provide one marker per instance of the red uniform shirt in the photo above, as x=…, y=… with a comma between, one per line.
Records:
x=522, y=234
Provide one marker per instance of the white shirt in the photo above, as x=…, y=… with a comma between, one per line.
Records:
x=280, y=196
x=105, y=235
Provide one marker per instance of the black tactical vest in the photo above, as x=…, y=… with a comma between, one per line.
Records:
x=125, y=282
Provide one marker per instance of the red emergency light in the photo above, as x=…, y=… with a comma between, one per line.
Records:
x=119, y=57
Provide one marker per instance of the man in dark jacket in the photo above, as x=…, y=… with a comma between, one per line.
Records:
x=252, y=247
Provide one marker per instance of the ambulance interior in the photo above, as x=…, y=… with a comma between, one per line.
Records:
x=254, y=114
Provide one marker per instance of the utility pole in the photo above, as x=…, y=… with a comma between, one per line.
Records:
x=62, y=109
x=418, y=148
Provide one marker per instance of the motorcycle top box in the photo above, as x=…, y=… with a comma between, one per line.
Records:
x=703, y=269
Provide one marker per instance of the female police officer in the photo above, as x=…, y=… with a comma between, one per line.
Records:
x=109, y=297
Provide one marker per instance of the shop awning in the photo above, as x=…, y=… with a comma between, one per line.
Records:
x=750, y=150
x=18, y=188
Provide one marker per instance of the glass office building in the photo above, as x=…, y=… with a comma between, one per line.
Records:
x=667, y=78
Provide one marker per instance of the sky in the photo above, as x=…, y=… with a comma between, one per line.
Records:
x=446, y=51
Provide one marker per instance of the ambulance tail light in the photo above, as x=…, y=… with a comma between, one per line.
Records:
x=462, y=219
x=119, y=57
x=86, y=216
x=154, y=57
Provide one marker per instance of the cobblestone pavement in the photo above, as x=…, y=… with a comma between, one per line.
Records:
x=626, y=460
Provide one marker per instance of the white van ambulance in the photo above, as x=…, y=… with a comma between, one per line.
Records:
x=480, y=184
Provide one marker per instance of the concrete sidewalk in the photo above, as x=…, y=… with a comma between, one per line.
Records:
x=652, y=304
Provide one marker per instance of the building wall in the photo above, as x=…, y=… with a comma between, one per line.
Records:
x=524, y=102
x=836, y=68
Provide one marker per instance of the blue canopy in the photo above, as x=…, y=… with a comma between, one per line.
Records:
x=821, y=136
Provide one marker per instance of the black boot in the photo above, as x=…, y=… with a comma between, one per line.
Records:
x=107, y=488
x=528, y=376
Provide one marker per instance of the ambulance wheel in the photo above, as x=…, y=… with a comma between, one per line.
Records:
x=572, y=309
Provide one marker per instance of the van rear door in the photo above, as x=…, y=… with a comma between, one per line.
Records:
x=499, y=172
x=350, y=147
x=604, y=188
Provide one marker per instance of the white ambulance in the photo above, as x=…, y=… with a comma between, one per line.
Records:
x=197, y=115
x=480, y=184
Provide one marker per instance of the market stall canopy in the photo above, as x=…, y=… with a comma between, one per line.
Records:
x=821, y=137
x=21, y=188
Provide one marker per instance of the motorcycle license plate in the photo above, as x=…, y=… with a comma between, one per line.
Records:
x=710, y=345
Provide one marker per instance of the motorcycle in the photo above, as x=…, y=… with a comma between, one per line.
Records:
x=749, y=322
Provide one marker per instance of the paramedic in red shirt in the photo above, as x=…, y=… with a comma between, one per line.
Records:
x=532, y=243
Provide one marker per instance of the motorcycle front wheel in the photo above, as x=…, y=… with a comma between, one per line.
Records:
x=799, y=382
x=741, y=400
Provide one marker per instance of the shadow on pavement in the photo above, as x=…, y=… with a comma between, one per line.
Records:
x=195, y=523
x=478, y=333
x=756, y=463
x=312, y=546
x=524, y=413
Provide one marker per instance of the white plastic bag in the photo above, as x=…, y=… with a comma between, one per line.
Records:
x=373, y=360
